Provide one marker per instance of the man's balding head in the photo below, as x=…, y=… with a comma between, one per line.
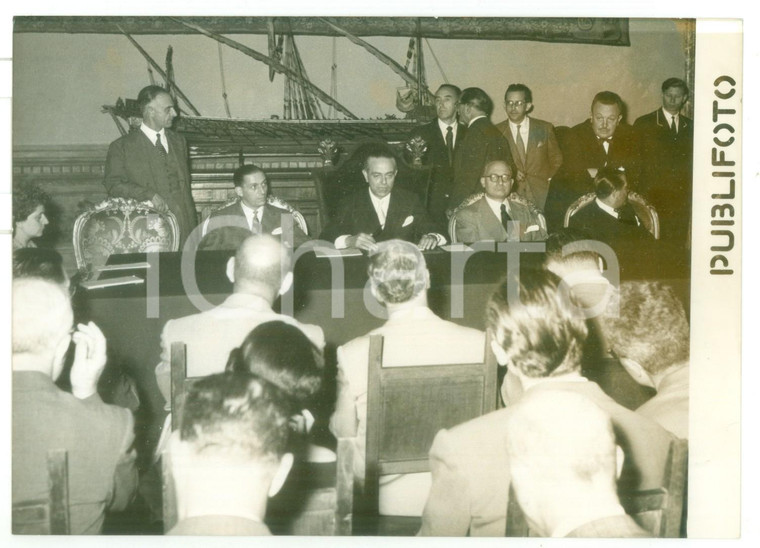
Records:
x=42, y=319
x=261, y=267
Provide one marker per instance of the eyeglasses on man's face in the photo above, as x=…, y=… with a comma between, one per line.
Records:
x=517, y=104
x=496, y=178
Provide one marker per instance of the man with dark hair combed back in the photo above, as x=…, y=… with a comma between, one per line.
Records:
x=413, y=335
x=229, y=455
x=539, y=335
x=482, y=143
x=152, y=163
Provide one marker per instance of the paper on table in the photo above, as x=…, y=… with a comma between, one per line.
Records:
x=456, y=247
x=330, y=252
x=125, y=266
x=112, y=282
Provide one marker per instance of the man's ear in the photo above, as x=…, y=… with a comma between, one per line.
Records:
x=283, y=469
x=483, y=182
x=59, y=355
x=286, y=284
x=231, y=269
x=366, y=175
x=619, y=460
x=239, y=191
x=427, y=279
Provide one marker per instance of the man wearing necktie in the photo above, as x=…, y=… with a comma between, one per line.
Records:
x=151, y=163
x=381, y=212
x=666, y=140
x=442, y=136
x=603, y=140
x=532, y=143
x=252, y=212
x=499, y=215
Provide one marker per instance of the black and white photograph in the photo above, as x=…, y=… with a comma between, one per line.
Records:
x=391, y=274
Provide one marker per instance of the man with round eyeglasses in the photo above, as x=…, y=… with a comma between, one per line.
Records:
x=499, y=214
x=533, y=145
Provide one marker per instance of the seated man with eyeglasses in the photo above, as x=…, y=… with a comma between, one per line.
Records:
x=226, y=227
x=499, y=215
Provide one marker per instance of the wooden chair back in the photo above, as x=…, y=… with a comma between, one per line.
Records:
x=644, y=210
x=407, y=406
x=659, y=511
x=50, y=515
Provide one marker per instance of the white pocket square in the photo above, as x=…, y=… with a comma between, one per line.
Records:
x=539, y=144
x=409, y=220
x=277, y=231
x=531, y=228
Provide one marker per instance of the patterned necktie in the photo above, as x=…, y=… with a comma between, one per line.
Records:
x=505, y=218
x=450, y=143
x=159, y=145
x=520, y=146
x=255, y=223
x=673, y=127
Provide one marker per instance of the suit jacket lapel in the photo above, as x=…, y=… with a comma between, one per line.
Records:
x=367, y=216
x=491, y=224
x=393, y=215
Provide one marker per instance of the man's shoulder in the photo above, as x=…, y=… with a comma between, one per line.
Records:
x=474, y=208
x=646, y=119
x=541, y=124
x=233, y=208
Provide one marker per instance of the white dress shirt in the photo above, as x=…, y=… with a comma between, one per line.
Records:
x=151, y=134
x=668, y=117
x=443, y=126
x=476, y=118
x=611, y=210
x=496, y=207
x=524, y=130
x=251, y=213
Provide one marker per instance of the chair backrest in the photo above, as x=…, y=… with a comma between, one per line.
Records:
x=644, y=210
x=659, y=511
x=407, y=406
x=122, y=225
x=179, y=385
x=50, y=515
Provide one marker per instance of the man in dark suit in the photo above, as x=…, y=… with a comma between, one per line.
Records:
x=591, y=145
x=482, y=143
x=666, y=146
x=380, y=213
x=152, y=164
x=610, y=218
x=532, y=143
x=442, y=136
x=98, y=438
x=540, y=335
x=252, y=212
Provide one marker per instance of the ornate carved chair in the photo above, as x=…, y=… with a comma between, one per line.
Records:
x=644, y=210
x=513, y=197
x=122, y=225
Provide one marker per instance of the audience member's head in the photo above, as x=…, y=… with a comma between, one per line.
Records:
x=650, y=333
x=280, y=354
x=567, y=251
x=41, y=326
x=398, y=273
x=497, y=180
x=29, y=219
x=606, y=113
x=262, y=267
x=36, y=262
x=563, y=460
x=230, y=455
x=156, y=107
x=380, y=169
x=518, y=102
x=611, y=186
x=535, y=328
x=251, y=185
x=446, y=101
x=675, y=93
x=474, y=102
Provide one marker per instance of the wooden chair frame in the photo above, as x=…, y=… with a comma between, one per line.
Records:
x=641, y=206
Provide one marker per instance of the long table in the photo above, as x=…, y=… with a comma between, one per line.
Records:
x=132, y=316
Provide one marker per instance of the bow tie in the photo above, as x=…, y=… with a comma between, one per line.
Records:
x=602, y=139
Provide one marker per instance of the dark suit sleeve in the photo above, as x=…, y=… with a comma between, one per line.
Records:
x=467, y=227
x=117, y=181
x=423, y=223
x=341, y=223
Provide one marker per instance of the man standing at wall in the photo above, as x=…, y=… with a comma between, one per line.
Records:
x=152, y=164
